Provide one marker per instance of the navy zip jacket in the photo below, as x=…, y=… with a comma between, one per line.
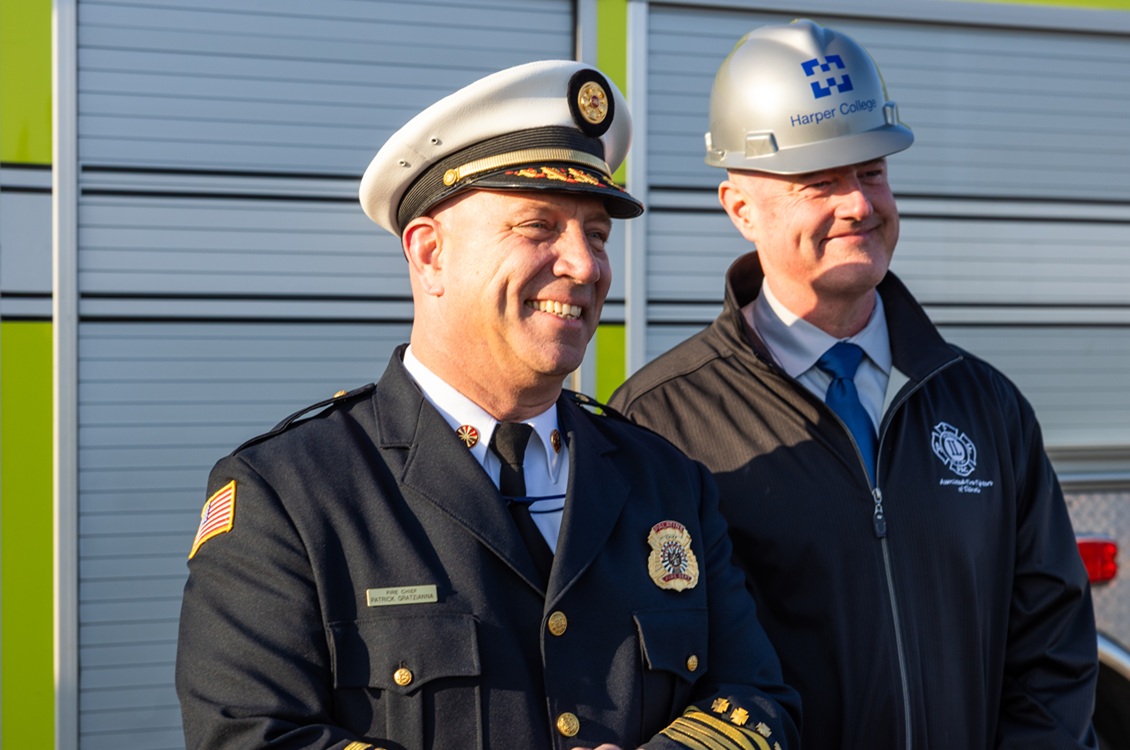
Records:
x=945, y=607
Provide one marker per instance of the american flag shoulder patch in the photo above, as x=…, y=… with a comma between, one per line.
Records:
x=217, y=516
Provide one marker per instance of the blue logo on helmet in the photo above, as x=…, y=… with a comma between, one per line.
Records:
x=822, y=89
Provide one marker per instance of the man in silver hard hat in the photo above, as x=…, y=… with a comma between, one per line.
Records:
x=463, y=555
x=888, y=494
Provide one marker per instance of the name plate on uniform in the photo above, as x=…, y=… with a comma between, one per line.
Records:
x=401, y=595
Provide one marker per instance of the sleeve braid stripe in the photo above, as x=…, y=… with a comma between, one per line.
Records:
x=717, y=733
x=675, y=732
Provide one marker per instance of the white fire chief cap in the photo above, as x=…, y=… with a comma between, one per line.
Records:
x=554, y=125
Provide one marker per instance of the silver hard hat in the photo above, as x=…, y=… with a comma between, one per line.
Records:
x=798, y=97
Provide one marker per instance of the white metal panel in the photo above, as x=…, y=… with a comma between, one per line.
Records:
x=1068, y=16
x=976, y=262
x=220, y=143
x=996, y=112
x=252, y=247
x=1074, y=377
x=25, y=242
x=1016, y=212
x=286, y=86
x=159, y=404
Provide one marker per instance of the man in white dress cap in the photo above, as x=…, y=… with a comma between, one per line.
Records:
x=463, y=555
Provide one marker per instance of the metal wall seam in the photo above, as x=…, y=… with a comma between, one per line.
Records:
x=586, y=36
x=635, y=287
x=1012, y=15
x=64, y=88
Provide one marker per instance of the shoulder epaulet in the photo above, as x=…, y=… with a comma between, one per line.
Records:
x=334, y=400
x=590, y=403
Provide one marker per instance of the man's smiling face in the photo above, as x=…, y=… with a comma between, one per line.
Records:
x=524, y=278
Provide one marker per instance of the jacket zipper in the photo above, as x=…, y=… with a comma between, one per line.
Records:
x=879, y=521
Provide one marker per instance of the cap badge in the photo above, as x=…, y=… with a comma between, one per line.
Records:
x=592, y=102
x=555, y=441
x=671, y=564
x=468, y=434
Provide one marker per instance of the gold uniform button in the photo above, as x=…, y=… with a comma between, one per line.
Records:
x=568, y=724
x=692, y=663
x=402, y=677
x=558, y=622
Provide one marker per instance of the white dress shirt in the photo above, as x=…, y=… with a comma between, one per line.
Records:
x=546, y=470
x=796, y=344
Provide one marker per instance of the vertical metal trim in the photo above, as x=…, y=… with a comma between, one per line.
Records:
x=585, y=46
x=585, y=31
x=635, y=282
x=64, y=127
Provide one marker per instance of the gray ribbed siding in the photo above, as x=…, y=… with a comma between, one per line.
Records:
x=1016, y=211
x=227, y=275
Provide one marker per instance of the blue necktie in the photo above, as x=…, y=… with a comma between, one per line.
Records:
x=841, y=362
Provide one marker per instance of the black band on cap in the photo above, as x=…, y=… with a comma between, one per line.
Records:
x=430, y=188
x=591, y=102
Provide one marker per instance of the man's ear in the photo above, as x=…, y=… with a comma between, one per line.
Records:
x=739, y=207
x=423, y=249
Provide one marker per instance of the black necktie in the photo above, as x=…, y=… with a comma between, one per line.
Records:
x=509, y=443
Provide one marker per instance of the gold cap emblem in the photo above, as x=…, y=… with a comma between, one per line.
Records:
x=468, y=434
x=671, y=564
x=592, y=102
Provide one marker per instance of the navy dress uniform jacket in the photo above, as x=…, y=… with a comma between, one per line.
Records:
x=279, y=647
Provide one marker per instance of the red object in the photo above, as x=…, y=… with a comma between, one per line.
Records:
x=1100, y=557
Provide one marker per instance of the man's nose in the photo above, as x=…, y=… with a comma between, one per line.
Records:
x=576, y=258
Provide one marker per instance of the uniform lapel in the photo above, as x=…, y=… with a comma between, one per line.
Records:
x=597, y=492
x=432, y=463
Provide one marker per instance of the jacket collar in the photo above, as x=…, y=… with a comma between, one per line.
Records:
x=430, y=461
x=917, y=349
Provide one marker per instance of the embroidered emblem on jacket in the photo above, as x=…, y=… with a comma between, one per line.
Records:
x=671, y=564
x=217, y=517
x=954, y=448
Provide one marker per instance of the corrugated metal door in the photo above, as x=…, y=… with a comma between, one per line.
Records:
x=1014, y=200
x=227, y=275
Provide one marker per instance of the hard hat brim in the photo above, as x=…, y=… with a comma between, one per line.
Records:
x=838, y=152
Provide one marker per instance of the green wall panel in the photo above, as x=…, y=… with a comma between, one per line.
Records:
x=27, y=677
x=610, y=364
x=25, y=81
